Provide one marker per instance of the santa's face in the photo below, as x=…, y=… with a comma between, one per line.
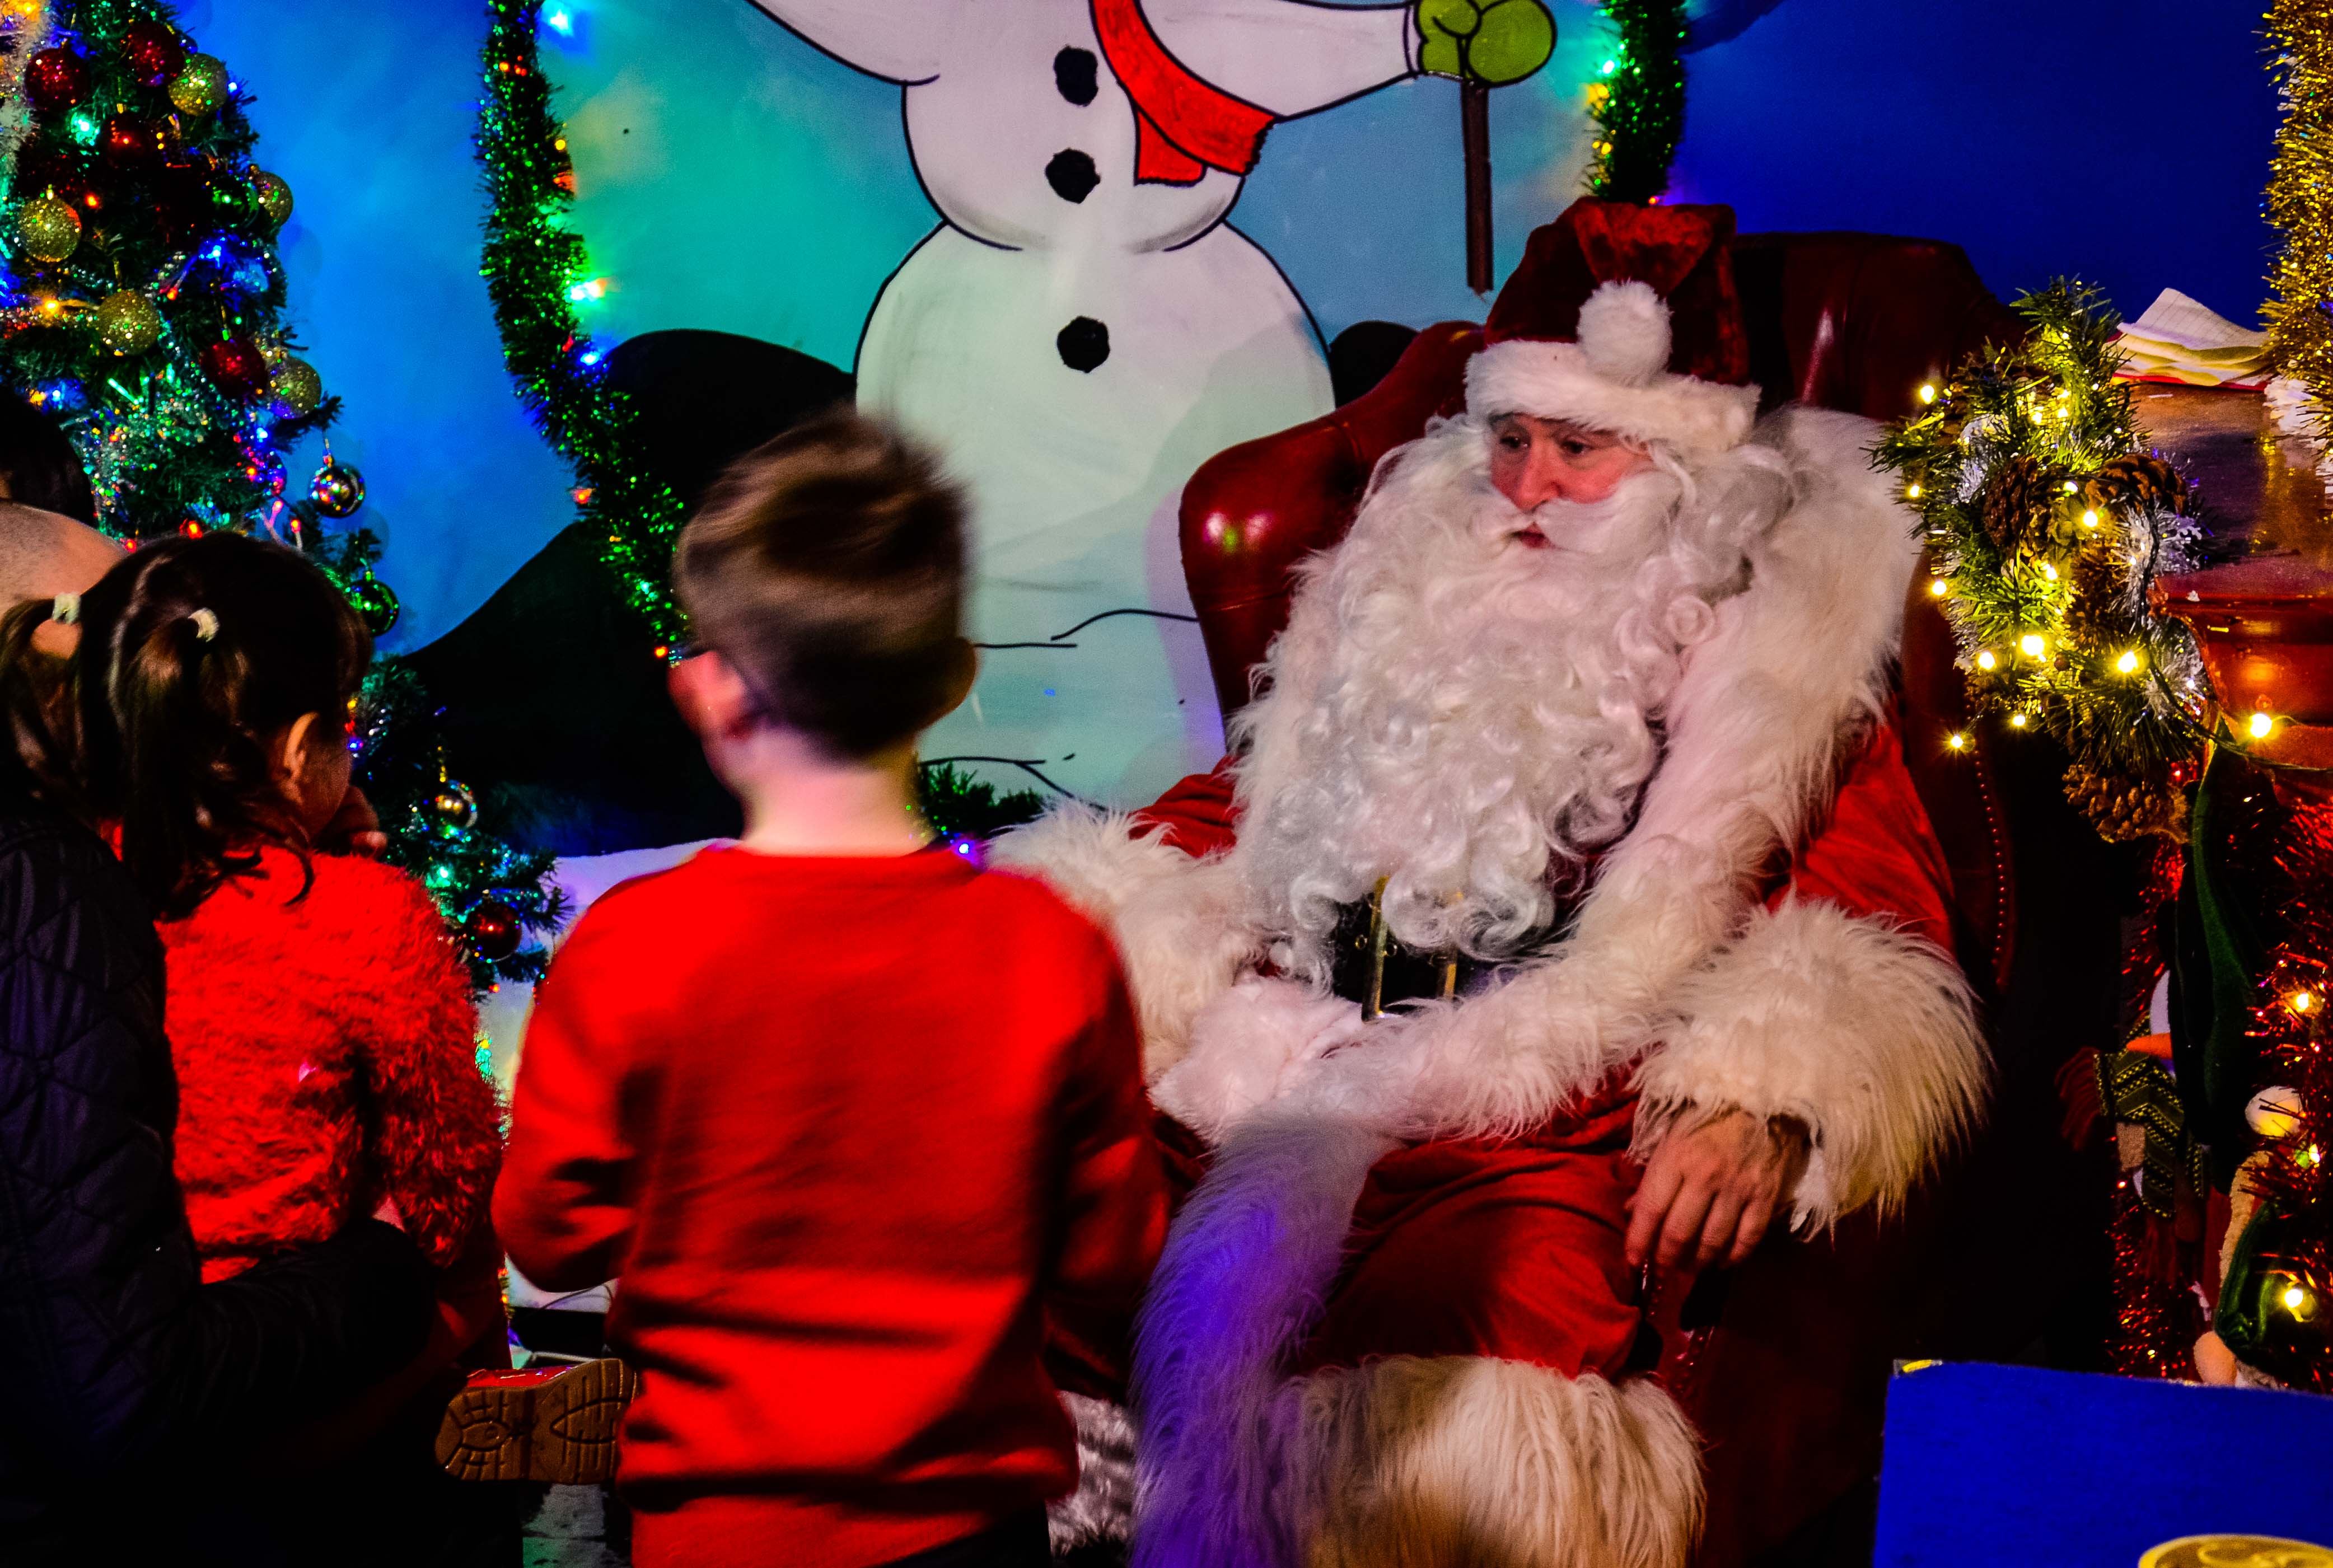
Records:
x=1536, y=460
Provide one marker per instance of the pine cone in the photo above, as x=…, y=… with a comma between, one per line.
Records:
x=2136, y=479
x=2122, y=808
x=2093, y=608
x=2014, y=502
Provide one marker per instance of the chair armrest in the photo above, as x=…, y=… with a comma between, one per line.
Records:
x=1254, y=510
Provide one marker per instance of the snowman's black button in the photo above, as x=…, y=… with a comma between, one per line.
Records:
x=1071, y=175
x=1083, y=344
x=1075, y=73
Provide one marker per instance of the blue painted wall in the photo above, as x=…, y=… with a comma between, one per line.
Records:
x=2127, y=140
x=737, y=179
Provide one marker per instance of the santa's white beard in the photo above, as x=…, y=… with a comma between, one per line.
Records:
x=1474, y=717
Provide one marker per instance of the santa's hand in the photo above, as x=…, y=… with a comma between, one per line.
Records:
x=1711, y=1190
x=1494, y=42
x=1245, y=1046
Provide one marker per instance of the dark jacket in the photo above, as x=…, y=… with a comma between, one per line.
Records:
x=113, y=1355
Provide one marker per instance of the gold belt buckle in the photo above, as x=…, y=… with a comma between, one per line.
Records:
x=1380, y=939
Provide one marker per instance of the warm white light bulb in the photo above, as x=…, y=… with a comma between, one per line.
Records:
x=2128, y=662
x=1984, y=659
x=1927, y=392
x=1937, y=587
x=2260, y=726
x=2031, y=646
x=2089, y=520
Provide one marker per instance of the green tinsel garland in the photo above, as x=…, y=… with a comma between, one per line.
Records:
x=2046, y=526
x=535, y=268
x=1638, y=106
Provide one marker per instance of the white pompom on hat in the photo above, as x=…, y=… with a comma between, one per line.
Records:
x=1623, y=319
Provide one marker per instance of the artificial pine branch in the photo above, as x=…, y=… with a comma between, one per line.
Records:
x=2033, y=506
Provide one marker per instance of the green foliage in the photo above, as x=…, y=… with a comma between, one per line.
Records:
x=537, y=271
x=2045, y=532
x=1639, y=107
x=959, y=806
x=402, y=769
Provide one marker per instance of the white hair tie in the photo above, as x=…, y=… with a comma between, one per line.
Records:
x=65, y=610
x=205, y=625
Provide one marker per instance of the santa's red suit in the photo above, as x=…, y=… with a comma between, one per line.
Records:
x=1624, y=776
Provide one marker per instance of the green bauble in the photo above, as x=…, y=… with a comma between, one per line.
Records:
x=200, y=87
x=377, y=606
x=336, y=490
x=47, y=230
x=128, y=322
x=272, y=195
x=296, y=387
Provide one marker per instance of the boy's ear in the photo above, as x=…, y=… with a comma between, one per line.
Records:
x=710, y=694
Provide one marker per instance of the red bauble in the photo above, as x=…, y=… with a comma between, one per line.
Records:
x=492, y=930
x=236, y=368
x=55, y=79
x=128, y=142
x=153, y=51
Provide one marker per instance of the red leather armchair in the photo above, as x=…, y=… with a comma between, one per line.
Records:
x=1783, y=1361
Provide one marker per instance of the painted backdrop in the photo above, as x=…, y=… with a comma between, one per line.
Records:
x=733, y=176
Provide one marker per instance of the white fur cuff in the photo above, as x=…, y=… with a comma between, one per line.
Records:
x=1560, y=381
x=1245, y=1046
x=1411, y=1463
x=1865, y=1034
x=1180, y=924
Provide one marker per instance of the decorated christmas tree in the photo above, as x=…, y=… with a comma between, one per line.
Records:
x=142, y=307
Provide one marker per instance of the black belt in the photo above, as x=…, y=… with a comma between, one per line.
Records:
x=1371, y=966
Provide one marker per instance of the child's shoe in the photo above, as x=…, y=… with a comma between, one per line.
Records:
x=555, y=1424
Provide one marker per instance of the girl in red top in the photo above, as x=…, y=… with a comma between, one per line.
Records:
x=322, y=1029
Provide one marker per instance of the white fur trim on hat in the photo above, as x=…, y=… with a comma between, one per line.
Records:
x=1611, y=379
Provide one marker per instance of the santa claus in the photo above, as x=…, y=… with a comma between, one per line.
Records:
x=1565, y=910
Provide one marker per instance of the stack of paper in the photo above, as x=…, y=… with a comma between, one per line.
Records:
x=2181, y=341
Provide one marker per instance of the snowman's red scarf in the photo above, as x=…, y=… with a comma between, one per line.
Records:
x=1182, y=125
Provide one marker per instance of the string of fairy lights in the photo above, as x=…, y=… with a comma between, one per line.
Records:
x=2046, y=523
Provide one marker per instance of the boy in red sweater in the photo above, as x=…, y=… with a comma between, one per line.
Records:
x=844, y=1113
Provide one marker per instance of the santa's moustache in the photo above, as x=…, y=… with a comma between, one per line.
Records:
x=1475, y=716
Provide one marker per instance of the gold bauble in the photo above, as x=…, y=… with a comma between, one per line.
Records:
x=128, y=322
x=272, y=196
x=47, y=230
x=296, y=387
x=200, y=87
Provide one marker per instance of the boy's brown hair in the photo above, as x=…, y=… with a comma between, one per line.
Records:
x=827, y=567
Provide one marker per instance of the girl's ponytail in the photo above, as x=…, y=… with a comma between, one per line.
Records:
x=195, y=655
x=188, y=786
x=36, y=704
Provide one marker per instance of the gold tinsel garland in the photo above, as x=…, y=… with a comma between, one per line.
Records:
x=2300, y=199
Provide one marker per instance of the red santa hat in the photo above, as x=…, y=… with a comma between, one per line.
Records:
x=1623, y=319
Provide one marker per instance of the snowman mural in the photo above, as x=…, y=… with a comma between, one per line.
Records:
x=1084, y=326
